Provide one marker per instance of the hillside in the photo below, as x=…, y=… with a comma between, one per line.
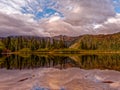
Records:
x=60, y=43
x=32, y=43
x=98, y=42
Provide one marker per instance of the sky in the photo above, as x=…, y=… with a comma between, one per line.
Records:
x=59, y=17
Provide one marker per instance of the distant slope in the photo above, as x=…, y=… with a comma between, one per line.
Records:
x=33, y=43
x=68, y=39
x=98, y=42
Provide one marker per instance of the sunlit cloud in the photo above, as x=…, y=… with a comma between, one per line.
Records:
x=54, y=19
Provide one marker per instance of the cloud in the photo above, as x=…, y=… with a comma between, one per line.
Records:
x=79, y=17
x=112, y=25
x=82, y=17
x=11, y=6
x=10, y=25
x=54, y=18
x=88, y=11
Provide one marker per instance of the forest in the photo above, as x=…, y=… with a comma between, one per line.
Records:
x=98, y=42
x=29, y=43
x=84, y=42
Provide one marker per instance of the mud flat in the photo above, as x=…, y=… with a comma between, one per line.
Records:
x=54, y=79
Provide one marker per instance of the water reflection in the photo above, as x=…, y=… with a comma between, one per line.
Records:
x=35, y=61
x=28, y=61
x=106, y=61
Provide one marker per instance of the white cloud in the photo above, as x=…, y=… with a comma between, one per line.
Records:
x=96, y=26
x=115, y=19
x=54, y=19
x=11, y=6
x=111, y=25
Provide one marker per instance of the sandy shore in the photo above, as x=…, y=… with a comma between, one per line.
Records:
x=54, y=79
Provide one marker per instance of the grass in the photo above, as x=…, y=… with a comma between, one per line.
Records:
x=65, y=51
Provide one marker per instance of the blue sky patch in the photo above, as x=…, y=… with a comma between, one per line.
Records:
x=46, y=11
x=117, y=5
x=117, y=9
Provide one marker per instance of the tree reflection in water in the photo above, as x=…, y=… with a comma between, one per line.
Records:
x=35, y=61
x=28, y=61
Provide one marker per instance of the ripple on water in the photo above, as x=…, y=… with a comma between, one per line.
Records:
x=39, y=88
x=42, y=88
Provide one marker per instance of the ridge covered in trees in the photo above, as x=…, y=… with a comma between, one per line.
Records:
x=98, y=42
x=84, y=42
x=31, y=43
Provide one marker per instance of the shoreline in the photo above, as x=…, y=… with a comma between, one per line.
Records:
x=65, y=52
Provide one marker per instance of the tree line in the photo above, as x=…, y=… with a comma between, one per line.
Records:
x=33, y=43
x=98, y=42
x=85, y=42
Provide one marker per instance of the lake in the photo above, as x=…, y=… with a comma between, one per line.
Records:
x=82, y=61
x=59, y=71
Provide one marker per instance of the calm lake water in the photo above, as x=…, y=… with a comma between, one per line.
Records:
x=33, y=61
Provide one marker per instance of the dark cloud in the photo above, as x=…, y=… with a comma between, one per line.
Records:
x=14, y=26
x=84, y=11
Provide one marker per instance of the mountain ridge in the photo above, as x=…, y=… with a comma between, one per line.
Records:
x=98, y=42
x=83, y=42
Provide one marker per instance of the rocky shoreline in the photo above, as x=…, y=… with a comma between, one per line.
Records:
x=54, y=79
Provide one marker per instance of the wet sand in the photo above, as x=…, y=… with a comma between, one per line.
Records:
x=54, y=79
